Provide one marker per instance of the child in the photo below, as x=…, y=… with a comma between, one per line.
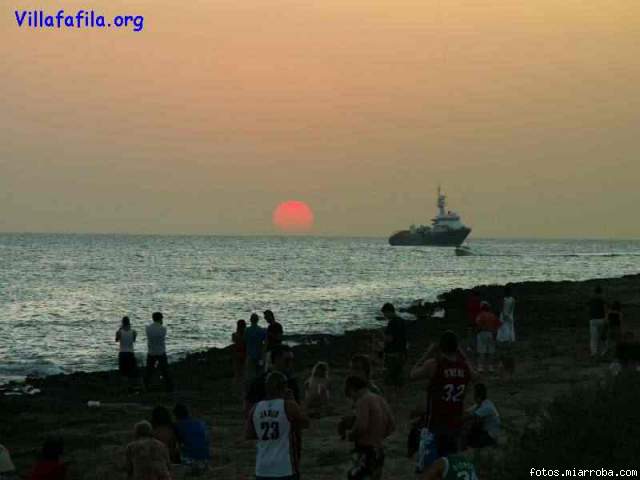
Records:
x=316, y=388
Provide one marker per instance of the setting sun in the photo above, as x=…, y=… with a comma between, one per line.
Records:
x=293, y=216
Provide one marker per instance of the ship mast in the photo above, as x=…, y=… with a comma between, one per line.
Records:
x=441, y=202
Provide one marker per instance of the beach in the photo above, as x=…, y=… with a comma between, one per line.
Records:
x=552, y=354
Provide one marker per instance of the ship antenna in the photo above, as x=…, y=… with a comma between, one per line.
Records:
x=441, y=201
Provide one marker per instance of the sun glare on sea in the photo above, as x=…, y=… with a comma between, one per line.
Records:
x=293, y=216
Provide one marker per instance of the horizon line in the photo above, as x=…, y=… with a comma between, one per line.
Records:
x=281, y=235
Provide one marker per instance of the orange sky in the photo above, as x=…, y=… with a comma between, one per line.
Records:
x=528, y=113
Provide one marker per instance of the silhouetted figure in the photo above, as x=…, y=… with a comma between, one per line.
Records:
x=275, y=333
x=395, y=348
x=239, y=352
x=157, y=353
x=126, y=338
x=255, y=337
x=597, y=311
x=50, y=466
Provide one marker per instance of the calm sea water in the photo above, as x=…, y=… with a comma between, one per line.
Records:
x=62, y=296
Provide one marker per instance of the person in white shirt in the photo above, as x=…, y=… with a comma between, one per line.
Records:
x=273, y=422
x=485, y=420
x=506, y=335
x=126, y=337
x=157, y=353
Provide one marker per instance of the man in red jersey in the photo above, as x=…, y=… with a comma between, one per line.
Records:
x=449, y=374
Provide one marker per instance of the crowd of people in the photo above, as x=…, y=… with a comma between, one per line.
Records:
x=277, y=410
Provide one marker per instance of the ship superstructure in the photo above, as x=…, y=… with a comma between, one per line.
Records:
x=446, y=229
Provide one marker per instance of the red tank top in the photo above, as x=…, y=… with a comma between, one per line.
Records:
x=445, y=396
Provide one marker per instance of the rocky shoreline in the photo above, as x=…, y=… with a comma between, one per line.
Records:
x=204, y=379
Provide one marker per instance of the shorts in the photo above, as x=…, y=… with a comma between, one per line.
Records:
x=367, y=463
x=394, y=369
x=127, y=364
x=486, y=342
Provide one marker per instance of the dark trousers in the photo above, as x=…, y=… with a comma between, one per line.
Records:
x=158, y=361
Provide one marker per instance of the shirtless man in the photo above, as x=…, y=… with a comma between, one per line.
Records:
x=448, y=374
x=274, y=422
x=373, y=423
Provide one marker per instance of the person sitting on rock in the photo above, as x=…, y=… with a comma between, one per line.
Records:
x=193, y=438
x=146, y=457
x=484, y=419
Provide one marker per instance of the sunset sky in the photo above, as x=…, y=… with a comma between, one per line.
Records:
x=527, y=112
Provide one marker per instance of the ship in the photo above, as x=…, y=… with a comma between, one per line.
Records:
x=446, y=230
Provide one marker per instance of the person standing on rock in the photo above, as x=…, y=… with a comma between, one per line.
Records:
x=274, y=334
x=506, y=335
x=126, y=337
x=395, y=349
x=449, y=374
x=254, y=338
x=275, y=422
x=598, y=314
x=239, y=353
x=157, y=353
x=488, y=325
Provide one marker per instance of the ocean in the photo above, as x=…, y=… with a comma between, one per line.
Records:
x=62, y=296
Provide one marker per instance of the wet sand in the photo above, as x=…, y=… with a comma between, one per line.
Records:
x=552, y=354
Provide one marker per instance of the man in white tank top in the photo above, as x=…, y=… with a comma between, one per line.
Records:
x=273, y=422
